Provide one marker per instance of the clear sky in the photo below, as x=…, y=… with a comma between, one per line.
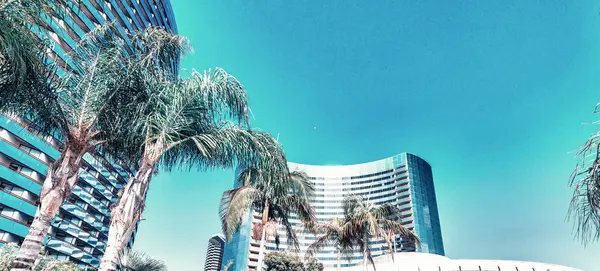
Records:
x=492, y=94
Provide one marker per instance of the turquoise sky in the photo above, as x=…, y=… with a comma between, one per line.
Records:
x=492, y=93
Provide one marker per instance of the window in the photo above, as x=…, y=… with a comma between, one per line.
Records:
x=27, y=171
x=25, y=148
x=36, y=153
x=60, y=234
x=17, y=191
x=14, y=167
x=8, y=212
x=6, y=185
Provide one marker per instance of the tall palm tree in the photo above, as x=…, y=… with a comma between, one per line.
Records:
x=367, y=220
x=139, y=261
x=276, y=194
x=584, y=209
x=200, y=121
x=336, y=232
x=75, y=111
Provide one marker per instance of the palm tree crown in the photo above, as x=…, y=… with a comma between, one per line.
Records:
x=139, y=261
x=362, y=221
x=336, y=232
x=276, y=194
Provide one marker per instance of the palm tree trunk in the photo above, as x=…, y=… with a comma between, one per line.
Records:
x=391, y=238
x=364, y=260
x=263, y=238
x=390, y=251
x=58, y=185
x=366, y=240
x=339, y=258
x=125, y=215
x=394, y=240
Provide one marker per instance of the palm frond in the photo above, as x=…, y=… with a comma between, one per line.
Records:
x=300, y=206
x=321, y=242
x=398, y=228
x=328, y=233
x=584, y=209
x=222, y=92
x=27, y=81
x=139, y=261
x=221, y=147
x=235, y=204
x=301, y=184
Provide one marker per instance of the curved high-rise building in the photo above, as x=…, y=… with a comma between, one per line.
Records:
x=404, y=180
x=214, y=253
x=79, y=232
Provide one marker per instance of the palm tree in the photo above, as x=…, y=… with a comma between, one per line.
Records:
x=335, y=232
x=200, y=121
x=139, y=261
x=277, y=194
x=367, y=220
x=584, y=209
x=76, y=110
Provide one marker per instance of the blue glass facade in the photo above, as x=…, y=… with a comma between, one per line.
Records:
x=79, y=232
x=404, y=180
x=425, y=211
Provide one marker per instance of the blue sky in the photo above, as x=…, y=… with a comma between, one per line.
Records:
x=492, y=94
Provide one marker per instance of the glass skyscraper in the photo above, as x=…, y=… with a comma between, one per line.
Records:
x=79, y=232
x=404, y=180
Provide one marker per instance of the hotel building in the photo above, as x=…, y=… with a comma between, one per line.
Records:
x=79, y=232
x=404, y=180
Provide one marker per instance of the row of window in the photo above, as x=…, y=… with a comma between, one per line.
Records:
x=353, y=177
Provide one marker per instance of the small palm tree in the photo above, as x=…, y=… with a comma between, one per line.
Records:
x=584, y=209
x=8, y=253
x=336, y=232
x=276, y=194
x=367, y=220
x=139, y=261
x=200, y=121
